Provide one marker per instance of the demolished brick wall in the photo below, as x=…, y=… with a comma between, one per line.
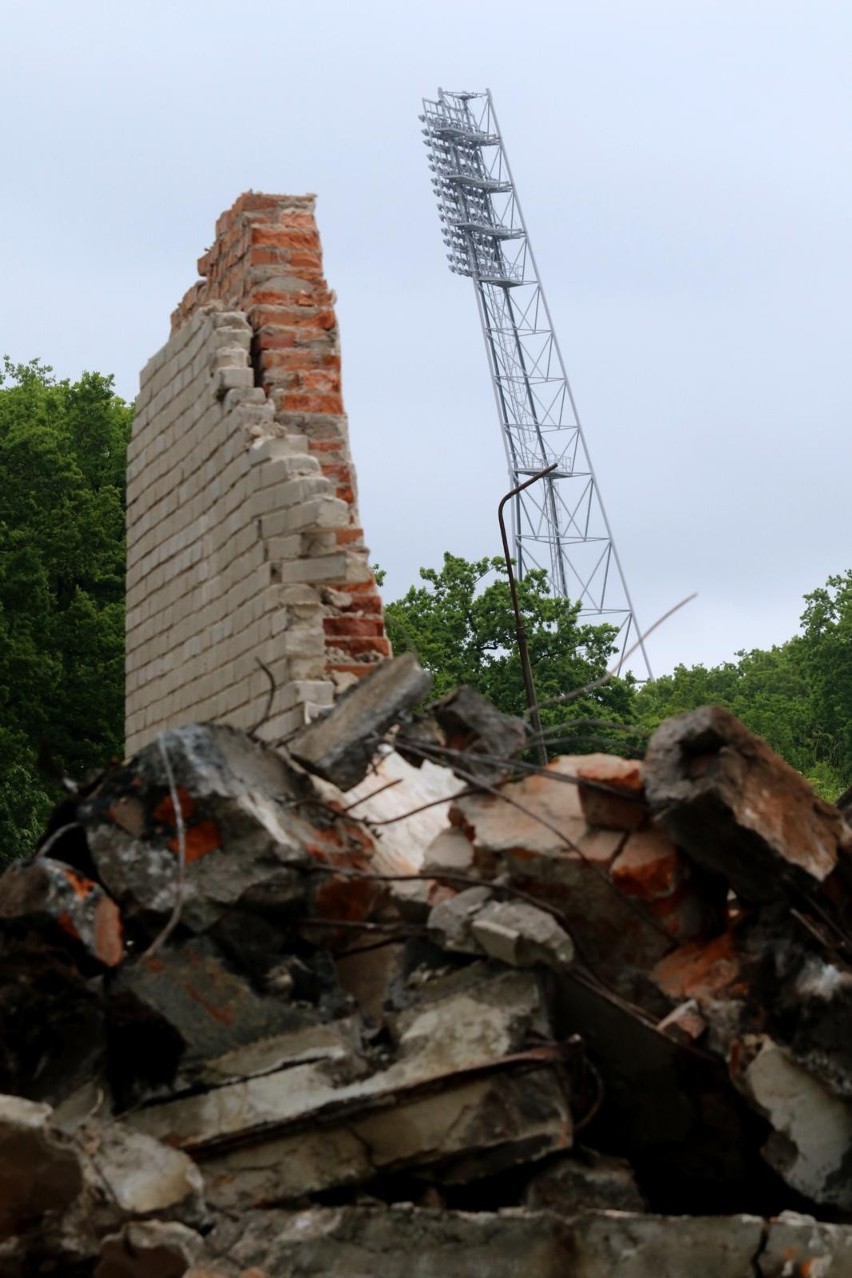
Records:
x=244, y=542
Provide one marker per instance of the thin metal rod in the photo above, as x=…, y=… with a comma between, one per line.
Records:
x=520, y=629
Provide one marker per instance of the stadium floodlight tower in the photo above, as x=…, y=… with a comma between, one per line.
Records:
x=559, y=523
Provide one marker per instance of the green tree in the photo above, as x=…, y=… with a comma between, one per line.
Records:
x=796, y=695
x=62, y=457
x=462, y=625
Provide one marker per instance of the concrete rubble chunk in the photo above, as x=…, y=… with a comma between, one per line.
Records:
x=738, y=809
x=340, y=745
x=143, y=1177
x=811, y=1135
x=510, y=931
x=49, y=894
x=488, y=739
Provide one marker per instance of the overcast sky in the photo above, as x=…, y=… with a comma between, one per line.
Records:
x=684, y=169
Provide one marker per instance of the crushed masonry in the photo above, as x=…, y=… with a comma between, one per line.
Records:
x=585, y=1018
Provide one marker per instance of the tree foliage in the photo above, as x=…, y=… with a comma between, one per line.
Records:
x=462, y=625
x=798, y=695
x=62, y=457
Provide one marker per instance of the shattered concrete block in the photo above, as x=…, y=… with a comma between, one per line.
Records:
x=812, y=1130
x=40, y=1169
x=340, y=745
x=517, y=933
x=48, y=894
x=148, y=1249
x=452, y=1136
x=473, y=726
x=611, y=792
x=239, y=830
x=451, y=920
x=738, y=809
x=143, y=1177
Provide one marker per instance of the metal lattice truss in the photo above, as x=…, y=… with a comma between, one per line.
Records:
x=558, y=524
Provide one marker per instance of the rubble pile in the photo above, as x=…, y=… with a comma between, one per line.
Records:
x=391, y=1000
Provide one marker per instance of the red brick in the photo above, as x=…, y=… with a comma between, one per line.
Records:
x=354, y=647
x=353, y=626
x=345, y=537
x=291, y=239
x=616, y=799
x=649, y=865
x=700, y=970
x=310, y=402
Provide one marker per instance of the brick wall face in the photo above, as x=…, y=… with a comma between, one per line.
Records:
x=244, y=542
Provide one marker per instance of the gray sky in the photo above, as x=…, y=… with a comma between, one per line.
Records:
x=684, y=169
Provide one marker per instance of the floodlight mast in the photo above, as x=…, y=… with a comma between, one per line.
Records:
x=560, y=523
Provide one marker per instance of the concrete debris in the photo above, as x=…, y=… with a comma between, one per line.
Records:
x=734, y=806
x=263, y=1013
x=340, y=745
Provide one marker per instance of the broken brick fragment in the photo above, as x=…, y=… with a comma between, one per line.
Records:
x=48, y=894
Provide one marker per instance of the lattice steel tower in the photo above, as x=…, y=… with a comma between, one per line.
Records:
x=559, y=523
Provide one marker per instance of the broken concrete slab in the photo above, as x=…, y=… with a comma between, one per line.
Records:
x=468, y=1021
x=400, y=1242
x=143, y=1177
x=521, y=935
x=339, y=745
x=450, y=1136
x=736, y=808
x=604, y=1244
x=450, y=921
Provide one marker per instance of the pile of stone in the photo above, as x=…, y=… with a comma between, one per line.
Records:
x=391, y=1000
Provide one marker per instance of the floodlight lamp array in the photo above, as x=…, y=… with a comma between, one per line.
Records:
x=472, y=229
